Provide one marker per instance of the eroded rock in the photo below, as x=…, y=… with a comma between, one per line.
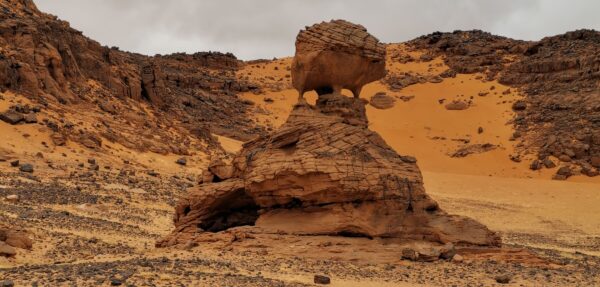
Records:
x=336, y=55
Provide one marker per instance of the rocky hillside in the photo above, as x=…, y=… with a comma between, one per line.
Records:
x=58, y=68
x=560, y=78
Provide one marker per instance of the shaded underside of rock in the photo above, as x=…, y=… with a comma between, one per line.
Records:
x=321, y=174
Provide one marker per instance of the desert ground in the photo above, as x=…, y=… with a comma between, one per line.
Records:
x=99, y=228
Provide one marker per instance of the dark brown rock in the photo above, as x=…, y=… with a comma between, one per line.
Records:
x=322, y=279
x=12, y=117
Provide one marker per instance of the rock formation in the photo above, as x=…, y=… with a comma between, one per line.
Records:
x=558, y=76
x=56, y=66
x=336, y=55
x=323, y=172
x=11, y=239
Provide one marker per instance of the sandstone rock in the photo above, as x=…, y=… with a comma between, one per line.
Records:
x=13, y=198
x=30, y=118
x=457, y=258
x=7, y=250
x=334, y=55
x=12, y=117
x=382, y=101
x=58, y=139
x=457, y=105
x=327, y=176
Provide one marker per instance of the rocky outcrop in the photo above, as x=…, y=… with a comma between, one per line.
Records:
x=336, y=55
x=322, y=174
x=11, y=239
x=55, y=65
x=559, y=76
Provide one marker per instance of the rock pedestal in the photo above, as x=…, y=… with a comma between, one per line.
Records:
x=323, y=173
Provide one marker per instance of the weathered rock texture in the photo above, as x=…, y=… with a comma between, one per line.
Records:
x=559, y=76
x=322, y=174
x=336, y=55
x=56, y=66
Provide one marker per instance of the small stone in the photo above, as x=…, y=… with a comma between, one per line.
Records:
x=7, y=250
x=115, y=282
x=30, y=118
x=447, y=251
x=503, y=279
x=535, y=165
x=595, y=161
x=564, y=158
x=322, y=279
x=181, y=161
x=458, y=258
x=457, y=105
x=515, y=157
x=91, y=161
x=7, y=283
x=548, y=163
x=26, y=167
x=410, y=254
x=58, y=139
x=479, y=130
x=14, y=163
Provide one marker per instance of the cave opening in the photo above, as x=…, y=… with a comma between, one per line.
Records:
x=237, y=209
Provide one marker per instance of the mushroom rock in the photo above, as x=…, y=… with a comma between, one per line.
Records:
x=336, y=55
x=321, y=173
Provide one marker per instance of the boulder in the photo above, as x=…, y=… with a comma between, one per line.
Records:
x=336, y=55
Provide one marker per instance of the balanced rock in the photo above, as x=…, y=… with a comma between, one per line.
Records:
x=336, y=55
x=322, y=174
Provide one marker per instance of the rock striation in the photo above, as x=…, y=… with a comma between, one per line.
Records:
x=336, y=55
x=322, y=174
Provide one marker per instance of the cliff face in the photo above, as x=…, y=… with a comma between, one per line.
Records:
x=51, y=63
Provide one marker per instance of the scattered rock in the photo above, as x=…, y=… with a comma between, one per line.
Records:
x=457, y=105
x=14, y=163
x=382, y=101
x=181, y=161
x=322, y=279
x=457, y=258
x=7, y=283
x=548, y=163
x=58, y=139
x=535, y=165
x=12, y=117
x=30, y=118
x=503, y=279
x=13, y=198
x=7, y=250
x=26, y=167
x=519, y=105
x=515, y=157
x=479, y=130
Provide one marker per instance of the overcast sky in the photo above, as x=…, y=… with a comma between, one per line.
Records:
x=268, y=28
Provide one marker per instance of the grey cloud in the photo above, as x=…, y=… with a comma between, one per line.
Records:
x=267, y=28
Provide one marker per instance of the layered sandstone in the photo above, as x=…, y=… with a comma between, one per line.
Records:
x=336, y=55
x=321, y=174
